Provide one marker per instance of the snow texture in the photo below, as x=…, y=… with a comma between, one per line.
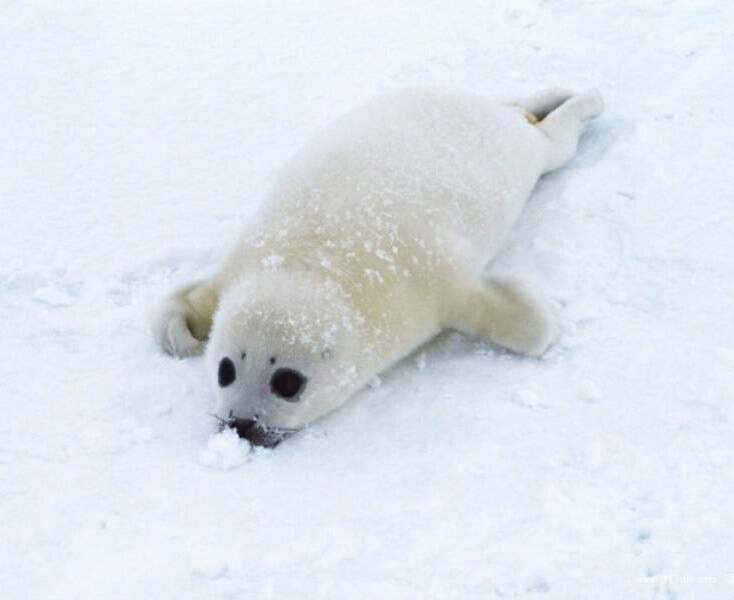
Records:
x=137, y=138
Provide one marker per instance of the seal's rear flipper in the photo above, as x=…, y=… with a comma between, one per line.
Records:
x=563, y=126
x=505, y=312
x=184, y=319
x=541, y=104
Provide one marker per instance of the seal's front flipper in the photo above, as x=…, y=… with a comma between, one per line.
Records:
x=504, y=311
x=184, y=319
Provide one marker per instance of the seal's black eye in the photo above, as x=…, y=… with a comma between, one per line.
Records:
x=226, y=374
x=287, y=384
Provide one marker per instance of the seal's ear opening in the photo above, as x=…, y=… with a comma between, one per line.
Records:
x=226, y=373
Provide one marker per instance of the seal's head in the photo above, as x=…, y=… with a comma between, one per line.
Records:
x=283, y=351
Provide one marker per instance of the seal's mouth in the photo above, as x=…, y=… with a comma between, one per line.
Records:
x=256, y=433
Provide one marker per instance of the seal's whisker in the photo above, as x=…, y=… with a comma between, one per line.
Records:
x=222, y=423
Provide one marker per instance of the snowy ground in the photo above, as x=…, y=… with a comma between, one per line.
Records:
x=135, y=138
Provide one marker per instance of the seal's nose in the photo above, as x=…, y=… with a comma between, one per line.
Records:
x=256, y=434
x=243, y=426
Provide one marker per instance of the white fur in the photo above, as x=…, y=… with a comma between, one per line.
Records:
x=373, y=240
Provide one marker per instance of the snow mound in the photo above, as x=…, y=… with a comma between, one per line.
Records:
x=225, y=451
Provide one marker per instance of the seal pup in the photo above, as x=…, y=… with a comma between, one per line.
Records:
x=374, y=239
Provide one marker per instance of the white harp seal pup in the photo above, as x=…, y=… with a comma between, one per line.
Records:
x=373, y=239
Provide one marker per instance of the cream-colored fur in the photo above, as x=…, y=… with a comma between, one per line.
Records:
x=373, y=240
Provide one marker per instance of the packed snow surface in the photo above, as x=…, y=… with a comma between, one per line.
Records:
x=135, y=141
